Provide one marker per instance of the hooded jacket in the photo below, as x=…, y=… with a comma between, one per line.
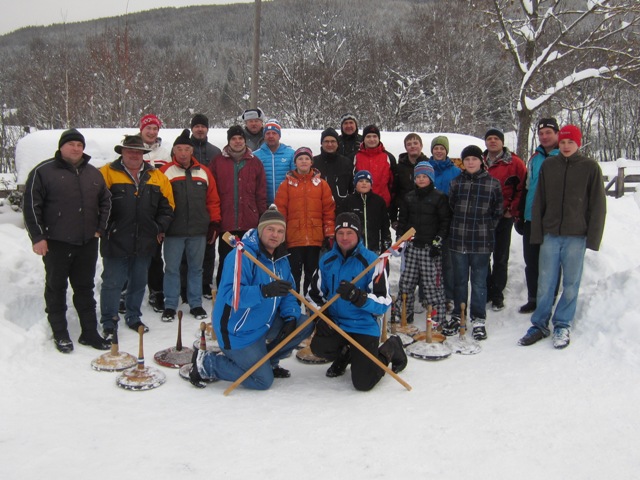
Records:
x=445, y=171
x=372, y=211
x=570, y=200
x=510, y=171
x=531, y=183
x=138, y=212
x=255, y=314
x=308, y=208
x=65, y=203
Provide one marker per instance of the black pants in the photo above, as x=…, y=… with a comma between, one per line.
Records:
x=75, y=264
x=364, y=373
x=223, y=250
x=497, y=273
x=531, y=254
x=306, y=258
x=155, y=279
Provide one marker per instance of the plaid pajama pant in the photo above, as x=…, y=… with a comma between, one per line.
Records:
x=419, y=267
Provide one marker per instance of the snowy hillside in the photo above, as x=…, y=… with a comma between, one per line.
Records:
x=510, y=411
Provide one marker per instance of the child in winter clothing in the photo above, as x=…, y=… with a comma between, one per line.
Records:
x=372, y=212
x=307, y=204
x=476, y=200
x=426, y=210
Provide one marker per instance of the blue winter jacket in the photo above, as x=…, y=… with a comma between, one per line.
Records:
x=334, y=268
x=445, y=171
x=533, y=170
x=255, y=314
x=276, y=166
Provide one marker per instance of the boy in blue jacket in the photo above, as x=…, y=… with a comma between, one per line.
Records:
x=356, y=310
x=266, y=311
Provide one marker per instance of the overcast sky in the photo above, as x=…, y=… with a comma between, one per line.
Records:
x=16, y=14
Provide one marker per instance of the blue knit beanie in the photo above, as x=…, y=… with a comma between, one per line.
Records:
x=424, y=168
x=362, y=175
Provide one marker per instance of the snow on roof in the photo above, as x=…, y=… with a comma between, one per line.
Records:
x=41, y=145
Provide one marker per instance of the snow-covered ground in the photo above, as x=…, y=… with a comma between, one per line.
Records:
x=508, y=412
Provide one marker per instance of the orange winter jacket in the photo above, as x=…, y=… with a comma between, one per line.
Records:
x=308, y=207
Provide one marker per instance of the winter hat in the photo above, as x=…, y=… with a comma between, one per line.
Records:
x=252, y=114
x=548, y=123
x=199, y=119
x=71, y=135
x=235, y=130
x=303, y=151
x=496, y=132
x=184, y=138
x=440, y=140
x=348, y=220
x=362, y=175
x=570, y=132
x=424, y=168
x=471, y=151
x=133, y=142
x=273, y=125
x=349, y=116
x=370, y=129
x=271, y=216
x=329, y=132
x=150, y=119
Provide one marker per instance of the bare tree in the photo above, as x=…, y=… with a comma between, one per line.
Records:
x=557, y=44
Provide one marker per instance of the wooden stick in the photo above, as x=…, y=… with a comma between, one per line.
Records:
x=226, y=237
x=463, y=321
x=140, y=349
x=429, y=337
x=179, y=340
x=403, y=315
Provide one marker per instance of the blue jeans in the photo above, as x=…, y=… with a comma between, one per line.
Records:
x=193, y=248
x=558, y=252
x=117, y=271
x=232, y=364
x=470, y=267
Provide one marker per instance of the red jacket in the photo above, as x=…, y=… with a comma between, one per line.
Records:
x=381, y=164
x=242, y=187
x=308, y=207
x=510, y=171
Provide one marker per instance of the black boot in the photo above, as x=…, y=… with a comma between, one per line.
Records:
x=94, y=340
x=194, y=375
x=393, y=351
x=339, y=366
x=279, y=372
x=63, y=343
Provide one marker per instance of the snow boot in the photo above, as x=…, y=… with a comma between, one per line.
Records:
x=198, y=312
x=94, y=340
x=169, y=315
x=393, y=352
x=194, y=374
x=528, y=307
x=279, y=372
x=64, y=345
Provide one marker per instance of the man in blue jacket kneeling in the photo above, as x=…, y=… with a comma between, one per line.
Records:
x=266, y=311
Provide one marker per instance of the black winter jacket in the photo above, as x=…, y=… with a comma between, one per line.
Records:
x=372, y=211
x=404, y=180
x=204, y=151
x=337, y=170
x=348, y=145
x=65, y=203
x=427, y=210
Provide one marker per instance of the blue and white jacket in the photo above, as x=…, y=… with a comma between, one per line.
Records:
x=533, y=170
x=335, y=267
x=255, y=314
x=276, y=166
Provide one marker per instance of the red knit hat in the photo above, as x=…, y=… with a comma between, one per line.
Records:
x=570, y=132
x=150, y=119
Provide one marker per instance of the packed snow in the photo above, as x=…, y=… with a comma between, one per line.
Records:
x=509, y=411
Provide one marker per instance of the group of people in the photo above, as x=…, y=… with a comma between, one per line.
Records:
x=155, y=214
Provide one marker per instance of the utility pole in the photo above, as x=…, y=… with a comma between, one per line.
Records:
x=255, y=64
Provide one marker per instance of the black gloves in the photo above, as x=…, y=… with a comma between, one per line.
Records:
x=518, y=224
x=288, y=327
x=349, y=292
x=277, y=288
x=436, y=247
x=212, y=231
x=323, y=329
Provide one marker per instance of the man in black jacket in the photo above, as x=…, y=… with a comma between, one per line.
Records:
x=66, y=206
x=335, y=168
x=350, y=139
